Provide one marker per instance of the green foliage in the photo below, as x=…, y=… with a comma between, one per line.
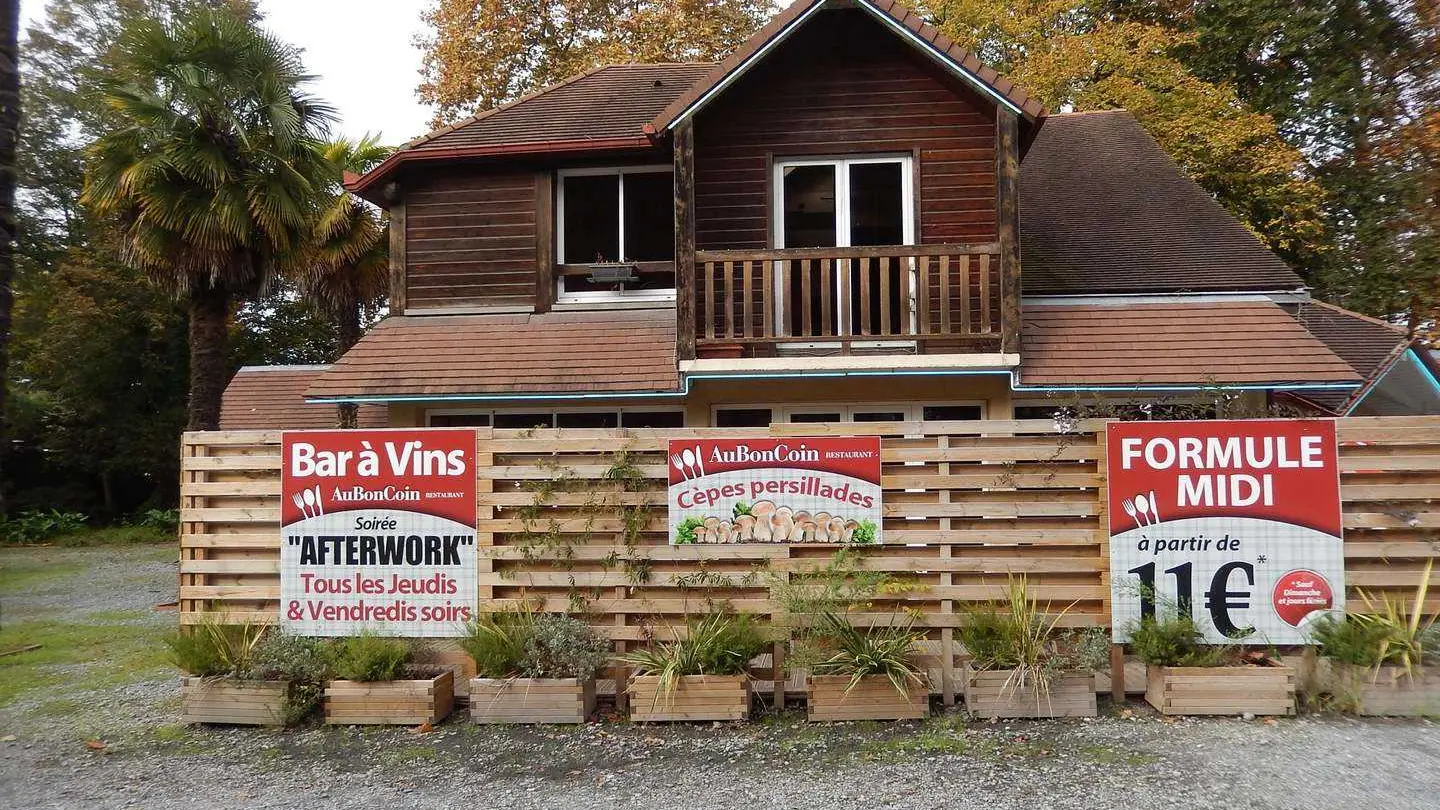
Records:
x=719, y=643
x=842, y=584
x=371, y=658
x=562, y=646
x=215, y=650
x=876, y=650
x=1025, y=637
x=160, y=520
x=1401, y=625
x=28, y=528
x=1173, y=642
x=1345, y=639
x=498, y=641
x=685, y=532
x=864, y=533
x=303, y=662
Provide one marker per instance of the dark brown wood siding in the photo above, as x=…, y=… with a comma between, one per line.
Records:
x=844, y=85
x=470, y=239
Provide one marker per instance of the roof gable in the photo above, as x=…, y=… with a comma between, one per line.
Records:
x=900, y=20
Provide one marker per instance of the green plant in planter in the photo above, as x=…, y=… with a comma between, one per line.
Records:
x=719, y=643
x=521, y=644
x=304, y=662
x=214, y=650
x=1173, y=642
x=371, y=658
x=876, y=650
x=1024, y=636
x=1401, y=628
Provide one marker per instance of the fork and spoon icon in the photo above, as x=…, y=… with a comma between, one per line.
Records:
x=308, y=502
x=1141, y=509
x=690, y=462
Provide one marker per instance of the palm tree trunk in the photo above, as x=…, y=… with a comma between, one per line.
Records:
x=347, y=328
x=9, y=132
x=209, y=323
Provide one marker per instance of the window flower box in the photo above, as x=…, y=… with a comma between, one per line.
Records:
x=1260, y=690
x=991, y=693
x=695, y=697
x=403, y=702
x=531, y=700
x=873, y=698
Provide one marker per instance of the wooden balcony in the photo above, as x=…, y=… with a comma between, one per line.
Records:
x=931, y=299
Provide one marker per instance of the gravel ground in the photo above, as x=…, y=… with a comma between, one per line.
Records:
x=1129, y=758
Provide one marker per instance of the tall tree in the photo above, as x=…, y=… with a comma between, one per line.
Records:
x=215, y=173
x=481, y=53
x=1079, y=55
x=346, y=272
x=9, y=132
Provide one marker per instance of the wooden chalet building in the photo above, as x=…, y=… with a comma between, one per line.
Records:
x=849, y=219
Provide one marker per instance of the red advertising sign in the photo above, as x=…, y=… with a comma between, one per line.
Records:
x=378, y=531
x=1235, y=521
x=790, y=490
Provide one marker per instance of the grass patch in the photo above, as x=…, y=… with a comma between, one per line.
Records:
x=937, y=736
x=116, y=647
x=23, y=572
x=410, y=753
x=115, y=536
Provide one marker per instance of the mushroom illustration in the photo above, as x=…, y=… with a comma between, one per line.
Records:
x=762, y=510
x=848, y=533
x=764, y=533
x=744, y=529
x=836, y=528
x=712, y=525
x=804, y=531
x=822, y=527
x=725, y=532
x=702, y=534
x=782, y=525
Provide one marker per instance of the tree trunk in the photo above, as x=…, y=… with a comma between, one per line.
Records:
x=347, y=328
x=209, y=323
x=9, y=132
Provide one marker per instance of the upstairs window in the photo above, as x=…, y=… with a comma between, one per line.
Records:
x=616, y=216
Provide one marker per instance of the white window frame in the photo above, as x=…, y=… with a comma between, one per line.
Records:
x=561, y=295
x=551, y=411
x=841, y=165
x=914, y=410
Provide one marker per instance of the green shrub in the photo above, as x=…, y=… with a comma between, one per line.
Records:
x=371, y=658
x=720, y=643
x=881, y=651
x=38, y=526
x=213, y=649
x=1023, y=636
x=161, y=520
x=562, y=646
x=304, y=662
x=1173, y=642
x=497, y=642
x=1346, y=639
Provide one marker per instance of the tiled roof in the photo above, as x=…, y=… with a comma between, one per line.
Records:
x=612, y=351
x=909, y=20
x=609, y=102
x=1369, y=345
x=273, y=398
x=1172, y=344
x=1103, y=209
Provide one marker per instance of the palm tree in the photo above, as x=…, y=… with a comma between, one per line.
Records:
x=346, y=270
x=214, y=175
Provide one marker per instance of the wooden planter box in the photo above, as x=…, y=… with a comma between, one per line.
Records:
x=1072, y=694
x=408, y=702
x=1221, y=690
x=227, y=700
x=695, y=697
x=531, y=700
x=873, y=698
x=1388, y=692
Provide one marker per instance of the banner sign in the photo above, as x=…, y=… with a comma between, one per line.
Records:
x=791, y=490
x=1236, y=522
x=378, y=532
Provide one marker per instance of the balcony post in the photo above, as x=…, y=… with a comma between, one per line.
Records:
x=397, y=256
x=684, y=156
x=1007, y=212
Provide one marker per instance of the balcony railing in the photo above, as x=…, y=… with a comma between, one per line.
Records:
x=934, y=297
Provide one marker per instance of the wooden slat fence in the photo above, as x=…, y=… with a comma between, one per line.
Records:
x=576, y=519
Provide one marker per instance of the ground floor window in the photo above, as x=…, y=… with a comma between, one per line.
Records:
x=560, y=417
x=761, y=416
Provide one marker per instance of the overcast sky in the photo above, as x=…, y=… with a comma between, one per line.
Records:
x=362, y=52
